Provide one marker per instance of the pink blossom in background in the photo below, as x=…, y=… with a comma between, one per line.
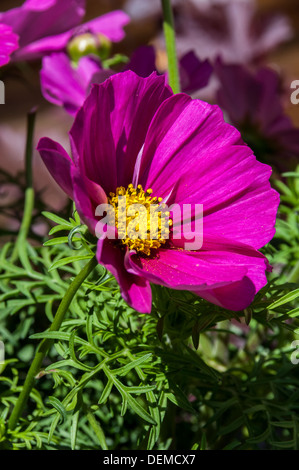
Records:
x=134, y=131
x=8, y=43
x=231, y=29
x=253, y=102
x=194, y=73
x=67, y=85
x=55, y=23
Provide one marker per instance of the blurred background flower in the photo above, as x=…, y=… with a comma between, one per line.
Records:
x=57, y=24
x=254, y=103
x=66, y=84
x=8, y=43
x=232, y=29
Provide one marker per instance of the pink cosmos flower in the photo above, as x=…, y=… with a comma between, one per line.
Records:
x=8, y=43
x=253, y=102
x=46, y=26
x=133, y=136
x=64, y=84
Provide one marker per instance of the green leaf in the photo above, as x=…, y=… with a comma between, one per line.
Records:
x=106, y=392
x=121, y=371
x=59, y=228
x=55, y=218
x=139, y=410
x=97, y=430
x=140, y=389
x=178, y=398
x=68, y=260
x=285, y=299
x=294, y=313
x=60, y=241
x=283, y=444
x=74, y=429
x=58, y=407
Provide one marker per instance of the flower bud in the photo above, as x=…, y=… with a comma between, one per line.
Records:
x=87, y=44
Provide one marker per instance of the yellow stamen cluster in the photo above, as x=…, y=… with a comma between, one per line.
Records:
x=135, y=227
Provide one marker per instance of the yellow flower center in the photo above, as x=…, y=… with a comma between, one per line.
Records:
x=142, y=224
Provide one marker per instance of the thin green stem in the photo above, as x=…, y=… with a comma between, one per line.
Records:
x=46, y=343
x=169, y=34
x=20, y=246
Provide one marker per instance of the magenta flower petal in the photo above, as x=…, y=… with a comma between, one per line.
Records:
x=240, y=221
x=193, y=132
x=36, y=19
x=235, y=296
x=130, y=104
x=110, y=25
x=89, y=148
x=183, y=270
x=224, y=209
x=163, y=122
x=233, y=265
x=87, y=195
x=8, y=43
x=58, y=163
x=64, y=85
x=135, y=289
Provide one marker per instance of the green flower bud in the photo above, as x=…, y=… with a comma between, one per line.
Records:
x=89, y=44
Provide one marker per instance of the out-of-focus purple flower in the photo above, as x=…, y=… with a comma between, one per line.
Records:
x=134, y=137
x=46, y=26
x=194, y=73
x=142, y=61
x=8, y=43
x=231, y=29
x=37, y=19
x=253, y=103
x=67, y=85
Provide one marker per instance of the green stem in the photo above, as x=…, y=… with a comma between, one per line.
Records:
x=46, y=343
x=20, y=245
x=169, y=33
